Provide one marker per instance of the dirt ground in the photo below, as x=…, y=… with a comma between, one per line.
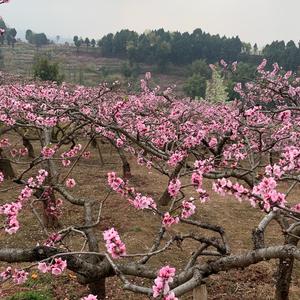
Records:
x=137, y=229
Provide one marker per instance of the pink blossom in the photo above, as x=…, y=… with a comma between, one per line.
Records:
x=188, y=209
x=114, y=245
x=223, y=63
x=176, y=158
x=296, y=208
x=170, y=296
x=6, y=274
x=47, y=152
x=56, y=267
x=197, y=179
x=168, y=220
x=148, y=76
x=43, y=267
x=52, y=239
x=174, y=187
x=234, y=66
x=23, y=151
x=213, y=142
x=90, y=297
x=143, y=202
x=70, y=183
x=116, y=183
x=161, y=283
x=19, y=276
x=261, y=67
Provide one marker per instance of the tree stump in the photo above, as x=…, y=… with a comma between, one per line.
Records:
x=200, y=292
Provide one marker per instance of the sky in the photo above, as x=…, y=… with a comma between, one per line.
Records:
x=260, y=21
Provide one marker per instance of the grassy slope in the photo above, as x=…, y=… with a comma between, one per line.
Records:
x=84, y=67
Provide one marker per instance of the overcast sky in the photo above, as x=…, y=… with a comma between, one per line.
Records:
x=259, y=21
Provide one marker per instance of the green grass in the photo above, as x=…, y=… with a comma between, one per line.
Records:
x=30, y=295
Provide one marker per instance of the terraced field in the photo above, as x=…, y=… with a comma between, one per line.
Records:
x=87, y=67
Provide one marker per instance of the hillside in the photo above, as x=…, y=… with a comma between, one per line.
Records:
x=86, y=67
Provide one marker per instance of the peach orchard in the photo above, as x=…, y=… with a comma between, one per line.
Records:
x=249, y=149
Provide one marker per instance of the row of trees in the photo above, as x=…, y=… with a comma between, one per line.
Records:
x=37, y=39
x=162, y=47
x=79, y=41
x=286, y=54
x=9, y=34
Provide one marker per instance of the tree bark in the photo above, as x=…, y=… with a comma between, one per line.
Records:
x=97, y=288
x=165, y=199
x=6, y=168
x=29, y=147
x=285, y=269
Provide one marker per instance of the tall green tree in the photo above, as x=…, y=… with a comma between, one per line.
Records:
x=45, y=70
x=195, y=86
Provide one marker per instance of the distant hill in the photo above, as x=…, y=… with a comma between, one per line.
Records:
x=21, y=35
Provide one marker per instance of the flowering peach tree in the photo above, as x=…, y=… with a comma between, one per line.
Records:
x=247, y=149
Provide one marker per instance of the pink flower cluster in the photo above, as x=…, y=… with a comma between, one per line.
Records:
x=290, y=158
x=114, y=245
x=161, y=283
x=39, y=179
x=47, y=152
x=25, y=194
x=225, y=186
x=296, y=208
x=70, y=183
x=90, y=297
x=266, y=189
x=197, y=179
x=53, y=205
x=55, y=268
x=169, y=220
x=203, y=166
x=174, y=187
x=274, y=170
x=143, y=202
x=188, y=209
x=21, y=152
x=70, y=154
x=18, y=276
x=176, y=158
x=11, y=212
x=1, y=177
x=52, y=239
x=4, y=143
x=116, y=183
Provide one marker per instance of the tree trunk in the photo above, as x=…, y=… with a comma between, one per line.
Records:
x=6, y=168
x=28, y=146
x=98, y=289
x=125, y=165
x=95, y=144
x=165, y=199
x=48, y=197
x=285, y=269
x=284, y=277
